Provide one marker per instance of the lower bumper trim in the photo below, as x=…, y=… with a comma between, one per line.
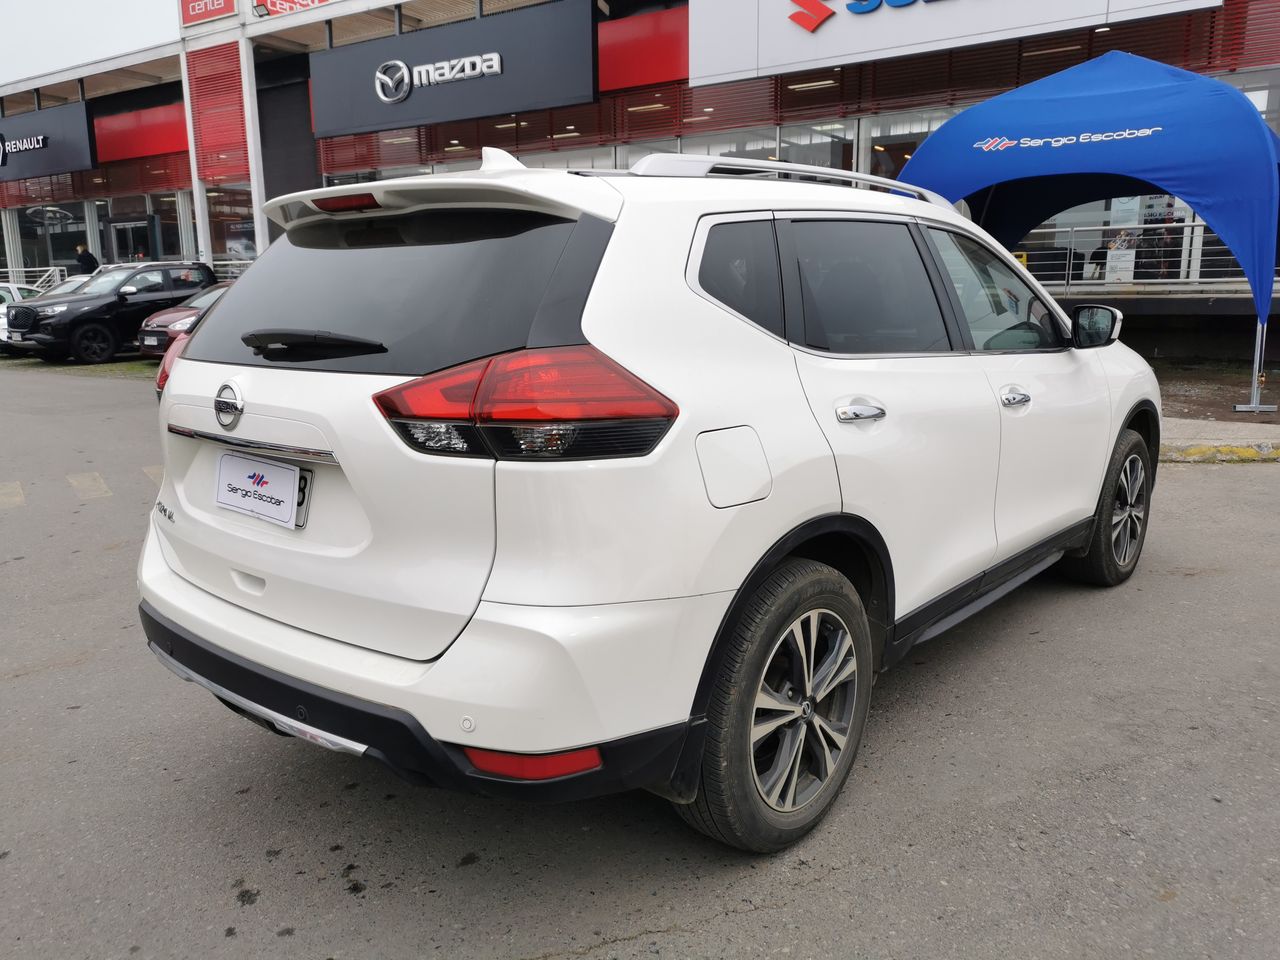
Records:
x=287, y=725
x=394, y=737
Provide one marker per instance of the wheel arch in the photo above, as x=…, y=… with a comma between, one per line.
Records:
x=1144, y=419
x=850, y=544
x=846, y=542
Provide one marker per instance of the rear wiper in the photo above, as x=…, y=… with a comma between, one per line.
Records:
x=302, y=344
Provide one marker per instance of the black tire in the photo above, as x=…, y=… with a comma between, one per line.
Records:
x=1120, y=524
x=94, y=343
x=760, y=664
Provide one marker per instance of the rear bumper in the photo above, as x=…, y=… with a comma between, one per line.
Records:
x=518, y=679
x=348, y=724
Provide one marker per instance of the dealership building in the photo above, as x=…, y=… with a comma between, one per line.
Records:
x=161, y=133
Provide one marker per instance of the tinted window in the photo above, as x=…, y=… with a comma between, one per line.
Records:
x=1001, y=311
x=740, y=269
x=202, y=300
x=435, y=288
x=149, y=281
x=186, y=278
x=865, y=289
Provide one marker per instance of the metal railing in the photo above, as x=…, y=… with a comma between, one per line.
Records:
x=1151, y=259
x=42, y=278
x=230, y=269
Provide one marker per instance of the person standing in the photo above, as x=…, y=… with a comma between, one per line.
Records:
x=88, y=262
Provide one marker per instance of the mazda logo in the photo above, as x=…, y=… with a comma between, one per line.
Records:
x=227, y=406
x=392, y=81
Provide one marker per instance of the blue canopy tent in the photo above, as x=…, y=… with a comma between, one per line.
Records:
x=1119, y=125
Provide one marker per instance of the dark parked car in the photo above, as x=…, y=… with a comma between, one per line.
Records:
x=160, y=329
x=106, y=313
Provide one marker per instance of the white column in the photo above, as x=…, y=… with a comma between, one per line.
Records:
x=186, y=227
x=200, y=205
x=12, y=242
x=92, y=235
x=253, y=140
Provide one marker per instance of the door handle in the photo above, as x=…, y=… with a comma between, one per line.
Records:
x=859, y=413
x=1015, y=398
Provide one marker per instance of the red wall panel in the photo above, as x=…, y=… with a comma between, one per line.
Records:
x=217, y=110
x=143, y=133
x=645, y=49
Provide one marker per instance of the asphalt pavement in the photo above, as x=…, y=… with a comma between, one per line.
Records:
x=1074, y=773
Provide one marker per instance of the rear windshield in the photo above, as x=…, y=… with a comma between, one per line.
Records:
x=434, y=288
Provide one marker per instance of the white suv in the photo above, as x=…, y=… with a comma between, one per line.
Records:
x=549, y=484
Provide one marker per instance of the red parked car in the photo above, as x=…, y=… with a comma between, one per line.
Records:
x=159, y=330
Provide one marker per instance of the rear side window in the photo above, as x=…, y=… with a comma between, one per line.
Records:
x=865, y=289
x=740, y=269
x=435, y=288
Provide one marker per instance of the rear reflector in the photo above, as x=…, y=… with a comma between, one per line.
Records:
x=534, y=766
x=556, y=403
x=347, y=203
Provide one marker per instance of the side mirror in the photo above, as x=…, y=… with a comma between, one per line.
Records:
x=128, y=291
x=1095, y=326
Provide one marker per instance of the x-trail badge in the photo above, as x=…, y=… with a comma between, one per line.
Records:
x=227, y=406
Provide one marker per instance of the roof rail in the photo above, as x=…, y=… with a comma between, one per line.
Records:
x=693, y=165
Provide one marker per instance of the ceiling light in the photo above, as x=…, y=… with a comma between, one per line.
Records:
x=647, y=108
x=561, y=136
x=1103, y=30
x=400, y=140
x=811, y=85
x=906, y=156
x=1042, y=53
x=878, y=148
x=708, y=109
x=452, y=149
x=454, y=142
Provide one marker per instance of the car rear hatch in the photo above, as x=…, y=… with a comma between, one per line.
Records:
x=391, y=548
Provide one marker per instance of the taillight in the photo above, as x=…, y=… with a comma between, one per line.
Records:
x=534, y=766
x=347, y=203
x=556, y=403
x=171, y=354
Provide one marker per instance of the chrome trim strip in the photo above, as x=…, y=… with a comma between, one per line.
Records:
x=239, y=443
x=288, y=725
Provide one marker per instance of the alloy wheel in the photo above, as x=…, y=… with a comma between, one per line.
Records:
x=1130, y=511
x=803, y=710
x=94, y=344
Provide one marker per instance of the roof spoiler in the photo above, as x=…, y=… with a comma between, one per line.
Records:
x=501, y=182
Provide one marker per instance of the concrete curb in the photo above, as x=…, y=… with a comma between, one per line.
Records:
x=1264, y=452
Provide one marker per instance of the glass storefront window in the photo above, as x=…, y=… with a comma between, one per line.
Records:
x=164, y=207
x=592, y=158
x=626, y=154
x=759, y=143
x=832, y=143
x=1263, y=88
x=49, y=234
x=889, y=141
x=231, y=223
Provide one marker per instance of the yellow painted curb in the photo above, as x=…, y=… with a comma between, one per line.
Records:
x=1220, y=453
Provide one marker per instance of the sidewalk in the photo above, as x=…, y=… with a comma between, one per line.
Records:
x=1219, y=441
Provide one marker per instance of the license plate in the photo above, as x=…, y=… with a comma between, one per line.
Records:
x=15, y=337
x=150, y=341
x=276, y=492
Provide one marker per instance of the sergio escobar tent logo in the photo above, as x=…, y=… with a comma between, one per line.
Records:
x=1000, y=144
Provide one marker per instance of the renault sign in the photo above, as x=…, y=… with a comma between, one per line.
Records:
x=528, y=59
x=736, y=39
x=46, y=142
